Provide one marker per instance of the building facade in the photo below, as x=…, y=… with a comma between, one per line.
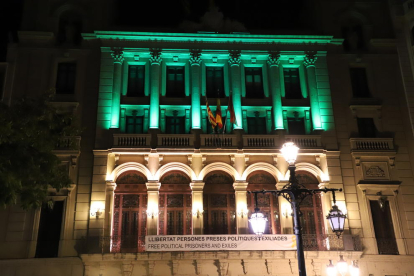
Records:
x=149, y=163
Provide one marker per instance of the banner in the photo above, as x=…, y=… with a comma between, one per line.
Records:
x=220, y=242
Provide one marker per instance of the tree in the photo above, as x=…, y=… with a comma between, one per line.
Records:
x=30, y=129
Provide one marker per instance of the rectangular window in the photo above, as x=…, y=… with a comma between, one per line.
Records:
x=254, y=83
x=383, y=227
x=175, y=125
x=136, y=81
x=175, y=81
x=359, y=83
x=296, y=126
x=256, y=125
x=134, y=124
x=366, y=128
x=215, y=82
x=292, y=83
x=48, y=236
x=66, y=78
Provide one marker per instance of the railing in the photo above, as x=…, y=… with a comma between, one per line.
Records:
x=325, y=242
x=372, y=144
x=305, y=141
x=132, y=140
x=408, y=5
x=175, y=140
x=218, y=140
x=68, y=143
x=387, y=246
x=260, y=141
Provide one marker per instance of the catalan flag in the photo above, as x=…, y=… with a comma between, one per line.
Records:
x=210, y=115
x=219, y=118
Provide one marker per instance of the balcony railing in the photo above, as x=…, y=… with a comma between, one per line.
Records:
x=260, y=141
x=325, y=242
x=132, y=140
x=175, y=140
x=68, y=143
x=218, y=140
x=305, y=141
x=372, y=144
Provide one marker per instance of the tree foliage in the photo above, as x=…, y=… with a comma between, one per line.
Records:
x=30, y=129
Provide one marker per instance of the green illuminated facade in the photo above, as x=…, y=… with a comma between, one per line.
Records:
x=274, y=85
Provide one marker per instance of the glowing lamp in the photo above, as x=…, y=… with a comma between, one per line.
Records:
x=354, y=269
x=342, y=266
x=331, y=269
x=337, y=220
x=258, y=222
x=290, y=152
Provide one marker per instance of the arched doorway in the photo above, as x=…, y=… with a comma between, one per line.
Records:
x=311, y=208
x=219, y=204
x=130, y=218
x=268, y=203
x=175, y=204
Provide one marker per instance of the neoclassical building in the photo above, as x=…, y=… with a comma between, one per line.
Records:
x=149, y=163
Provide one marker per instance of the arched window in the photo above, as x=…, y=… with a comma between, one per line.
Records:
x=70, y=28
x=130, y=218
x=268, y=203
x=219, y=204
x=311, y=207
x=175, y=204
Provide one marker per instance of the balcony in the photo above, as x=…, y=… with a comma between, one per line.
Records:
x=132, y=140
x=372, y=144
x=68, y=143
x=218, y=141
x=305, y=141
x=176, y=140
x=260, y=141
x=324, y=242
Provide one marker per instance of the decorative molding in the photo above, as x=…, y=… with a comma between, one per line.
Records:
x=117, y=54
x=310, y=59
x=73, y=161
x=160, y=159
x=357, y=161
x=116, y=158
x=274, y=157
x=155, y=56
x=273, y=59
x=195, y=57
x=375, y=171
x=146, y=158
x=190, y=160
x=234, y=57
x=318, y=160
x=246, y=160
x=127, y=269
x=391, y=161
x=203, y=160
x=232, y=160
x=136, y=57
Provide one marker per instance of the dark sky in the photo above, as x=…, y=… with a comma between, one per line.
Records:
x=253, y=14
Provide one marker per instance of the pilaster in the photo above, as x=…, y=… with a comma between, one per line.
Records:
x=234, y=62
x=309, y=62
x=273, y=62
x=197, y=203
x=240, y=189
x=195, y=61
x=118, y=56
x=155, y=80
x=152, y=207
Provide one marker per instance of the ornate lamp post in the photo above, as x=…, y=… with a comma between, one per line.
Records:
x=295, y=193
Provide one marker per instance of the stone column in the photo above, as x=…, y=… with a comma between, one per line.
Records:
x=240, y=189
x=273, y=62
x=109, y=209
x=285, y=211
x=195, y=61
x=118, y=56
x=309, y=63
x=234, y=61
x=197, y=203
x=155, y=82
x=152, y=207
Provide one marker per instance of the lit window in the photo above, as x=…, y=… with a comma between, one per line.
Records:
x=256, y=125
x=215, y=82
x=134, y=124
x=136, y=81
x=175, y=124
x=292, y=83
x=175, y=81
x=254, y=85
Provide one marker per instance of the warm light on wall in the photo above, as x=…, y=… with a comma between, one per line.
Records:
x=342, y=206
x=97, y=209
x=242, y=210
x=152, y=210
x=198, y=209
x=286, y=210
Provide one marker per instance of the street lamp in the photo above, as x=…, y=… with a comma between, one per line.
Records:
x=294, y=193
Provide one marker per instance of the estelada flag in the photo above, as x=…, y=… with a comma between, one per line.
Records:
x=210, y=115
x=218, y=115
x=230, y=108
